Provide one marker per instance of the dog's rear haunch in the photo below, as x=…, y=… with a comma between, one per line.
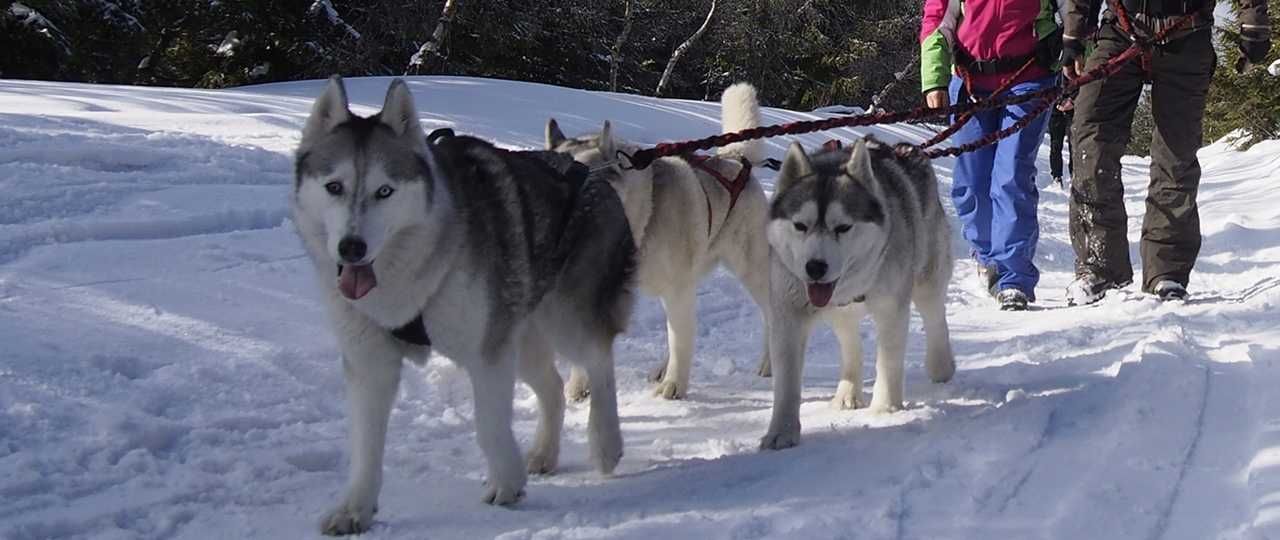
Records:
x=496, y=259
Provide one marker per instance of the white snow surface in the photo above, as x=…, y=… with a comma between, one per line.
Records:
x=166, y=369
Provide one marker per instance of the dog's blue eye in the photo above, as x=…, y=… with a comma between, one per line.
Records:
x=843, y=229
x=334, y=188
x=384, y=192
x=801, y=227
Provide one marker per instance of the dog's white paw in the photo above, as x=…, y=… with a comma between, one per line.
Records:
x=541, y=462
x=848, y=397
x=940, y=370
x=670, y=390
x=502, y=495
x=780, y=440
x=607, y=452
x=348, y=518
x=577, y=390
x=766, y=368
x=885, y=406
x=659, y=374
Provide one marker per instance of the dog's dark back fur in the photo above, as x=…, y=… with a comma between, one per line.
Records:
x=537, y=212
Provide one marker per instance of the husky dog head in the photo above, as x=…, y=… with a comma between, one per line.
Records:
x=600, y=153
x=361, y=182
x=827, y=220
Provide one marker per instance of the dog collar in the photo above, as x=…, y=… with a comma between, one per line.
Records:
x=415, y=332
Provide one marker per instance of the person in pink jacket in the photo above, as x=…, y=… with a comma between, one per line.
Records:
x=969, y=50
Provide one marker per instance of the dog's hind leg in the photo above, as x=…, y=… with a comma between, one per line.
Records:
x=493, y=383
x=681, y=325
x=849, y=390
x=372, y=372
x=930, y=298
x=604, y=432
x=892, y=316
x=579, y=387
x=538, y=370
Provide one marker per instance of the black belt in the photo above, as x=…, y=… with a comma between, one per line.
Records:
x=995, y=66
x=1162, y=8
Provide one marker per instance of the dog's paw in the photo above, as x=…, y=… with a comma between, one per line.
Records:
x=884, y=406
x=607, y=452
x=502, y=495
x=941, y=371
x=847, y=398
x=348, y=518
x=670, y=390
x=577, y=390
x=540, y=462
x=780, y=440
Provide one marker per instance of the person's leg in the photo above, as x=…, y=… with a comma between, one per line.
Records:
x=1171, y=227
x=1014, y=197
x=1103, y=118
x=1057, y=132
x=971, y=181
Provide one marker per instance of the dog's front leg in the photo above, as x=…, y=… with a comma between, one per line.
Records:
x=681, y=325
x=371, y=367
x=788, y=334
x=493, y=383
x=892, y=318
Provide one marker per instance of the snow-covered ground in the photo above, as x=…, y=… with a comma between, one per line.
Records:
x=165, y=369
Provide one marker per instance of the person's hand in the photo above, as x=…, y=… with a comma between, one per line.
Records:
x=1073, y=58
x=937, y=99
x=1066, y=105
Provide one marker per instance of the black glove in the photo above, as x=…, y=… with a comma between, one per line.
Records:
x=1255, y=45
x=1071, y=50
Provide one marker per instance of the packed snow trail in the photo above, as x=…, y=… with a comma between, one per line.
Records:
x=166, y=369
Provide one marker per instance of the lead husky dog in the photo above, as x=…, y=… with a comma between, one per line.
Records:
x=853, y=231
x=496, y=259
x=686, y=222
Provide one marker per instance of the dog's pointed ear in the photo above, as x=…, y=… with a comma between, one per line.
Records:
x=398, y=111
x=859, y=165
x=608, y=147
x=329, y=110
x=796, y=168
x=554, y=135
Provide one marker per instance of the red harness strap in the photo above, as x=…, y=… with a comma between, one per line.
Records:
x=734, y=187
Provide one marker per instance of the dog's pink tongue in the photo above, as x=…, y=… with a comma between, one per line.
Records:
x=820, y=293
x=356, y=281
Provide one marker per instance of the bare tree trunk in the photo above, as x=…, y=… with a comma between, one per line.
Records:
x=897, y=78
x=429, y=52
x=684, y=47
x=615, y=58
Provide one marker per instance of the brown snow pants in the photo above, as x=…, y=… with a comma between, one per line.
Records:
x=1180, y=74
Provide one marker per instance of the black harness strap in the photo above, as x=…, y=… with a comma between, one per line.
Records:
x=415, y=332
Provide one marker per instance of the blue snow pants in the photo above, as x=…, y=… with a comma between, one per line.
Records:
x=994, y=189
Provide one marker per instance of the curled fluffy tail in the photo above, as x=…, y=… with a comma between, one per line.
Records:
x=740, y=110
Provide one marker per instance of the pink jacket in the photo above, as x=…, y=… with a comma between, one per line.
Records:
x=987, y=30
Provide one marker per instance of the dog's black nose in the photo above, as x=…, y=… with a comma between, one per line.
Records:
x=816, y=269
x=352, y=249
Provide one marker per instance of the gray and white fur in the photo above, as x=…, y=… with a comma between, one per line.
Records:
x=667, y=204
x=855, y=231
x=495, y=259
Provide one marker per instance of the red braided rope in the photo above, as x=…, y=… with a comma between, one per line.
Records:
x=644, y=157
x=964, y=118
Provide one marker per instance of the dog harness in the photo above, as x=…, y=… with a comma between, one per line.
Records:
x=734, y=187
x=414, y=332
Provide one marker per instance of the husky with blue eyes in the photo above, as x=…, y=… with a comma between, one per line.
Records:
x=855, y=231
x=495, y=259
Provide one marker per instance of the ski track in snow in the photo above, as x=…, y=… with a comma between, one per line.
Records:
x=167, y=371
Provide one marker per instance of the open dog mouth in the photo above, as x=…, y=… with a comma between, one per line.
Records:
x=355, y=281
x=820, y=293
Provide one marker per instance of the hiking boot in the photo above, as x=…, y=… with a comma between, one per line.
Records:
x=1088, y=288
x=1012, y=300
x=1058, y=180
x=1170, y=291
x=988, y=276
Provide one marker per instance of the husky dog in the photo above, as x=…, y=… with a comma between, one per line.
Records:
x=685, y=221
x=496, y=259
x=853, y=231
